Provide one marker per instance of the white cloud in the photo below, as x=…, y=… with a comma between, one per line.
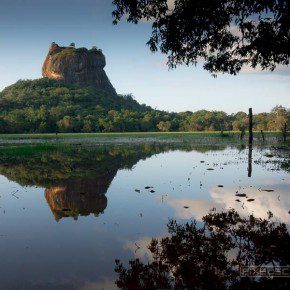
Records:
x=234, y=29
x=140, y=248
x=277, y=202
x=171, y=4
x=280, y=70
x=197, y=208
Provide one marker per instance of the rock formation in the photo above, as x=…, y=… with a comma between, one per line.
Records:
x=80, y=197
x=77, y=65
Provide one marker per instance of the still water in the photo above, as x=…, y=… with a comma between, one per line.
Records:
x=66, y=215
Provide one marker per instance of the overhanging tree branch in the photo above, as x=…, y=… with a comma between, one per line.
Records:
x=224, y=35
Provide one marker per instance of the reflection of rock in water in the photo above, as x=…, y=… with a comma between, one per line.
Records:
x=79, y=197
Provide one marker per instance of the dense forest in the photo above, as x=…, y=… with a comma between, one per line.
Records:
x=45, y=105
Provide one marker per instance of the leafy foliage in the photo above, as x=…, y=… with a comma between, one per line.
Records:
x=45, y=105
x=54, y=165
x=226, y=35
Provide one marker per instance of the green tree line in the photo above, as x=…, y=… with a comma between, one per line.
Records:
x=45, y=105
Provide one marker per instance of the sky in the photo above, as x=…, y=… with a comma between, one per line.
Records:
x=27, y=28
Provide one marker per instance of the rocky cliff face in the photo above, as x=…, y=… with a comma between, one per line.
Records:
x=79, y=197
x=77, y=65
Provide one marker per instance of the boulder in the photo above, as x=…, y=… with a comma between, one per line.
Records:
x=77, y=65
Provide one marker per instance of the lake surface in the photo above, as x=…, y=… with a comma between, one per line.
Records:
x=66, y=215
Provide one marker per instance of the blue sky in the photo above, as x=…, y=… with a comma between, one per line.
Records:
x=27, y=27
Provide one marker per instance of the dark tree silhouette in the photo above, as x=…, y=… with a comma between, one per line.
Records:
x=208, y=257
x=225, y=34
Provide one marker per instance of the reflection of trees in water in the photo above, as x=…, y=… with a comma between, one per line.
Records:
x=56, y=166
x=209, y=256
x=77, y=177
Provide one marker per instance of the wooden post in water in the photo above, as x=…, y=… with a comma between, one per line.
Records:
x=250, y=126
x=285, y=132
x=250, y=160
x=263, y=136
x=250, y=142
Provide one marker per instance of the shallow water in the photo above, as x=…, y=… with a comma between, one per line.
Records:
x=66, y=215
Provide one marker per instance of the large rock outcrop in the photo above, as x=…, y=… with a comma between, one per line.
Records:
x=77, y=65
x=79, y=197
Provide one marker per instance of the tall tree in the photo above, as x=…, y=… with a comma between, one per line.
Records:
x=225, y=34
x=279, y=116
